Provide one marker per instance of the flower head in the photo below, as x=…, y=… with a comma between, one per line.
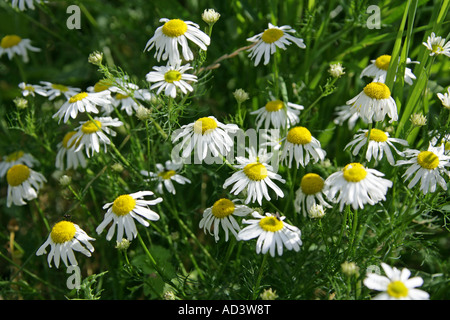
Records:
x=437, y=45
x=67, y=158
x=210, y=16
x=23, y=184
x=379, y=67
x=166, y=174
x=171, y=77
x=277, y=113
x=311, y=192
x=32, y=89
x=55, y=90
x=16, y=157
x=14, y=45
x=23, y=4
x=336, y=70
x=445, y=98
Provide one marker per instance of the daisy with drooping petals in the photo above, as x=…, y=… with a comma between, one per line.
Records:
x=55, y=90
x=32, y=89
x=124, y=210
x=67, y=158
x=346, y=113
x=266, y=43
x=127, y=103
x=272, y=232
x=437, y=45
x=23, y=4
x=379, y=67
x=427, y=166
x=173, y=33
x=171, y=77
x=65, y=238
x=203, y=135
x=83, y=102
x=380, y=143
x=357, y=186
x=17, y=157
x=396, y=285
x=166, y=174
x=90, y=134
x=278, y=114
x=222, y=214
x=312, y=189
x=445, y=98
x=14, y=45
x=254, y=176
x=300, y=145
x=374, y=103
x=23, y=184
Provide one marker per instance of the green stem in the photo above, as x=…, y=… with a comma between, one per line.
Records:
x=258, y=280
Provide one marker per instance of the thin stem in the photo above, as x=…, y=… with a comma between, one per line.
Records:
x=258, y=280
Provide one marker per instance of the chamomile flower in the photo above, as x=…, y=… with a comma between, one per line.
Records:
x=278, y=114
x=67, y=158
x=171, y=77
x=300, y=145
x=222, y=214
x=266, y=43
x=14, y=45
x=445, y=98
x=396, y=285
x=65, y=238
x=16, y=157
x=379, y=67
x=32, y=89
x=83, y=102
x=273, y=234
x=374, y=103
x=346, y=113
x=55, y=90
x=90, y=134
x=357, y=186
x=173, y=33
x=254, y=175
x=437, y=45
x=166, y=174
x=203, y=135
x=23, y=184
x=23, y=4
x=124, y=210
x=380, y=143
x=426, y=167
x=127, y=103
x=312, y=191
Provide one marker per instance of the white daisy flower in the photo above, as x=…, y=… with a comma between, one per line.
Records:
x=173, y=33
x=437, y=45
x=83, y=102
x=127, y=103
x=32, y=89
x=356, y=186
x=380, y=143
x=374, y=103
x=166, y=174
x=396, y=285
x=23, y=4
x=65, y=238
x=124, y=210
x=278, y=114
x=273, y=234
x=203, y=135
x=444, y=140
x=445, y=98
x=17, y=157
x=222, y=214
x=66, y=153
x=267, y=42
x=55, y=90
x=171, y=77
x=346, y=113
x=311, y=192
x=104, y=85
x=300, y=145
x=14, y=45
x=426, y=166
x=379, y=67
x=23, y=184
x=254, y=176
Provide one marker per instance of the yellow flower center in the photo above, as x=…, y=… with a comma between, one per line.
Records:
x=91, y=126
x=299, y=135
x=383, y=61
x=78, y=97
x=202, y=125
x=174, y=28
x=397, y=289
x=120, y=96
x=428, y=160
x=275, y=105
x=63, y=231
x=123, y=205
x=167, y=174
x=377, y=135
x=29, y=88
x=222, y=208
x=255, y=171
x=172, y=75
x=59, y=87
x=10, y=41
x=102, y=85
x=377, y=90
x=436, y=48
x=17, y=174
x=271, y=224
x=272, y=35
x=66, y=139
x=14, y=156
x=354, y=172
x=311, y=183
